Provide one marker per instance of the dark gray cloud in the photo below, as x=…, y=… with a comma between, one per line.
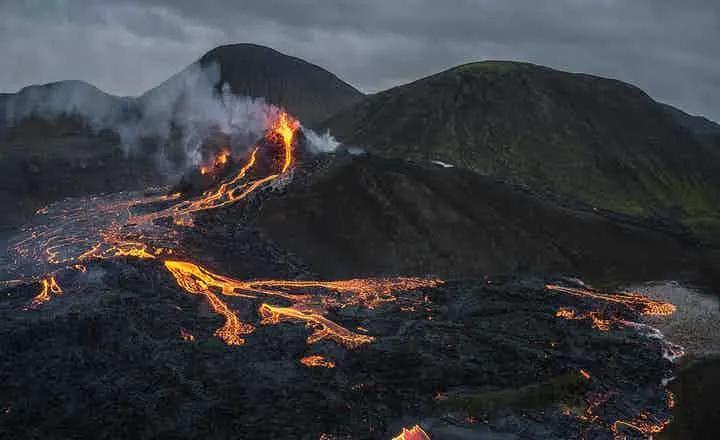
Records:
x=669, y=48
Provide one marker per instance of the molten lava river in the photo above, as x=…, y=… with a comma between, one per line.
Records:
x=74, y=234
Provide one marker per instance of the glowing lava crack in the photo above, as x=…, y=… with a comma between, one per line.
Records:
x=307, y=308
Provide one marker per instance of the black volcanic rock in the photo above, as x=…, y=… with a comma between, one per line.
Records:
x=107, y=358
x=600, y=141
x=372, y=216
x=43, y=161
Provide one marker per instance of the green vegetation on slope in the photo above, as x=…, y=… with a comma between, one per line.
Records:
x=589, y=139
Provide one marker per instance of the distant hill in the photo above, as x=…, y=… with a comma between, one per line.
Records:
x=63, y=98
x=307, y=91
x=599, y=141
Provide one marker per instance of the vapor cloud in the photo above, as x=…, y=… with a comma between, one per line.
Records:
x=177, y=116
x=668, y=48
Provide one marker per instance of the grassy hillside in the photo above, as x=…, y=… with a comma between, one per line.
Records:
x=598, y=141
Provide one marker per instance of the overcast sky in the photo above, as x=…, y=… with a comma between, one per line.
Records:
x=669, y=48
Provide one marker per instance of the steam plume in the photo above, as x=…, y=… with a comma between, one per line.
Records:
x=175, y=118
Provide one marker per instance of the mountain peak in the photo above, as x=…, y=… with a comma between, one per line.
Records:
x=306, y=90
x=596, y=140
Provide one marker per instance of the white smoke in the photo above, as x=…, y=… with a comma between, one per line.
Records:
x=187, y=110
x=176, y=117
x=320, y=143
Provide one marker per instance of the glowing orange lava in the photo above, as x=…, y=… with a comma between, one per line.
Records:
x=186, y=335
x=317, y=361
x=99, y=227
x=643, y=423
x=414, y=433
x=598, y=322
x=633, y=301
x=324, y=328
x=220, y=159
x=49, y=287
x=309, y=308
x=284, y=128
x=233, y=330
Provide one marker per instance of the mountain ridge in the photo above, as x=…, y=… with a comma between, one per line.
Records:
x=583, y=149
x=596, y=140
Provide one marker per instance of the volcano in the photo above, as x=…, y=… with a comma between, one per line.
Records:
x=59, y=139
x=179, y=298
x=309, y=92
x=281, y=290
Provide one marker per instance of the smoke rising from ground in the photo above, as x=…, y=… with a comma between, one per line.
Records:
x=172, y=122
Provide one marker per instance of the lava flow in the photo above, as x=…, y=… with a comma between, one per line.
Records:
x=122, y=233
x=598, y=322
x=220, y=160
x=309, y=308
x=633, y=301
x=150, y=227
x=414, y=433
x=317, y=361
x=644, y=423
x=49, y=287
x=101, y=227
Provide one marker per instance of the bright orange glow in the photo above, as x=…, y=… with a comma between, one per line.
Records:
x=124, y=233
x=324, y=328
x=598, y=322
x=285, y=127
x=633, y=301
x=233, y=330
x=222, y=158
x=186, y=335
x=219, y=160
x=317, y=361
x=184, y=220
x=48, y=287
x=414, y=433
x=308, y=308
x=565, y=313
x=643, y=423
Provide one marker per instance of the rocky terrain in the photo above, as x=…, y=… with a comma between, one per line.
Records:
x=595, y=140
x=364, y=215
x=43, y=161
x=123, y=351
x=273, y=289
x=132, y=347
